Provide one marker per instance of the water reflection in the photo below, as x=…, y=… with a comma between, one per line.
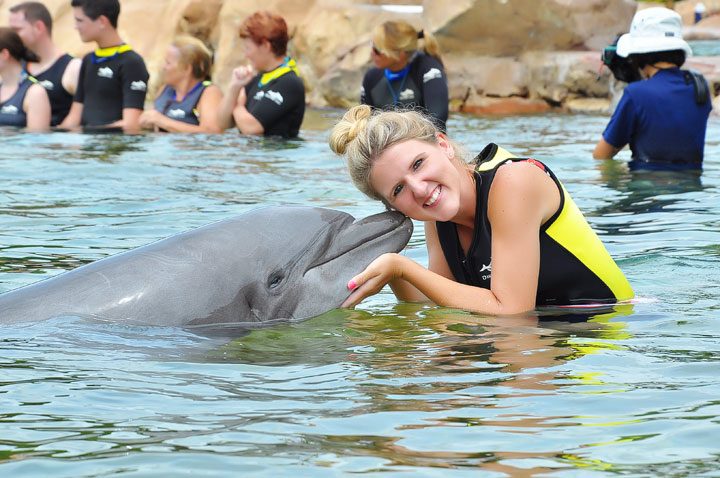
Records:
x=110, y=147
x=645, y=191
x=433, y=372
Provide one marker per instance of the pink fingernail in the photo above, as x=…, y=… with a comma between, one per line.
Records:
x=352, y=285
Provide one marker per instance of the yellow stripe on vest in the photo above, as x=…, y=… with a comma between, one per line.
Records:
x=500, y=156
x=112, y=50
x=286, y=67
x=584, y=244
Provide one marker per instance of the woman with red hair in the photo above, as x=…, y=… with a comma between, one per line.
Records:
x=267, y=96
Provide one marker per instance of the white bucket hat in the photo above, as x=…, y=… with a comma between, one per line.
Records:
x=653, y=29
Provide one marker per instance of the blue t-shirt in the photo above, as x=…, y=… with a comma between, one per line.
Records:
x=661, y=121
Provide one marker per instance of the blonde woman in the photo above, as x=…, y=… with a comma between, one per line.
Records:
x=188, y=103
x=503, y=235
x=405, y=76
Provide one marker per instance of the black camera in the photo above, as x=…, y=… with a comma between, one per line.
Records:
x=622, y=68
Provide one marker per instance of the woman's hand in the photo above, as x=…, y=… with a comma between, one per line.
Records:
x=149, y=119
x=370, y=281
x=241, y=76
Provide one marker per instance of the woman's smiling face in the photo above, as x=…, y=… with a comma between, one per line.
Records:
x=419, y=179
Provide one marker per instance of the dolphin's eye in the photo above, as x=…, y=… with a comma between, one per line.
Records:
x=275, y=279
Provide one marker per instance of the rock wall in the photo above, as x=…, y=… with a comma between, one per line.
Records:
x=502, y=56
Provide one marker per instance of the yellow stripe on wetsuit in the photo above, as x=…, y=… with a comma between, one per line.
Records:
x=572, y=231
x=287, y=66
x=112, y=50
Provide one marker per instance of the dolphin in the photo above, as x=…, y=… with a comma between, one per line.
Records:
x=269, y=265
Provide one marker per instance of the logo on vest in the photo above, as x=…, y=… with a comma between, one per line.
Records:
x=176, y=113
x=259, y=95
x=105, y=72
x=9, y=110
x=432, y=73
x=275, y=97
x=138, y=85
x=48, y=85
x=407, y=94
x=486, y=268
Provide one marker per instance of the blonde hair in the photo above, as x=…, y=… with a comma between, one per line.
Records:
x=362, y=135
x=395, y=37
x=195, y=54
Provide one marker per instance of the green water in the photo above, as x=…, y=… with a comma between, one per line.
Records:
x=388, y=389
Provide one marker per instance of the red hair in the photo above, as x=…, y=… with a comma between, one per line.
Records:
x=265, y=26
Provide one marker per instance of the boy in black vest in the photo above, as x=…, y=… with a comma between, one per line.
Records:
x=113, y=78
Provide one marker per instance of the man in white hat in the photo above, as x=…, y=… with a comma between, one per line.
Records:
x=664, y=116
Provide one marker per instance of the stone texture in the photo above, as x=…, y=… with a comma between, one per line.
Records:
x=588, y=105
x=501, y=56
x=557, y=76
x=504, y=106
x=510, y=27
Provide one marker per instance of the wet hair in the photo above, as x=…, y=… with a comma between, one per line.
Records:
x=10, y=41
x=393, y=37
x=265, y=26
x=34, y=12
x=362, y=135
x=95, y=8
x=195, y=54
x=676, y=57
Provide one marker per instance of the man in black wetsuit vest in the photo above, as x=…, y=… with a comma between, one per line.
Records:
x=55, y=70
x=113, y=79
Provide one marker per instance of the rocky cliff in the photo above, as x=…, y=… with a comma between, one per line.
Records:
x=502, y=56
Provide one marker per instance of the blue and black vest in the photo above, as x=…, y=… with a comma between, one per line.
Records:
x=11, y=111
x=184, y=110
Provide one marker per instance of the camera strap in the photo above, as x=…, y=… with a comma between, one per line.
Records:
x=700, y=85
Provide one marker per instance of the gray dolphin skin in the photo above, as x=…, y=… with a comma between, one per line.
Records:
x=269, y=265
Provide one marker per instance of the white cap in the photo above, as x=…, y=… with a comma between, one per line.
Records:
x=653, y=29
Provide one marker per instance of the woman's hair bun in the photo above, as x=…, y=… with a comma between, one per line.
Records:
x=349, y=127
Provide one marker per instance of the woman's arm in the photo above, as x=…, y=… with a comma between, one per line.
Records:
x=521, y=199
x=240, y=77
x=244, y=120
x=208, y=107
x=37, y=108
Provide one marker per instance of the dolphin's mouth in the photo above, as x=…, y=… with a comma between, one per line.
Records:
x=336, y=248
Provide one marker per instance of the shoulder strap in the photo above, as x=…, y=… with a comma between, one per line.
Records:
x=702, y=90
x=490, y=157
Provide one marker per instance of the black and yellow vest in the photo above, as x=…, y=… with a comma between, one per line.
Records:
x=575, y=267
